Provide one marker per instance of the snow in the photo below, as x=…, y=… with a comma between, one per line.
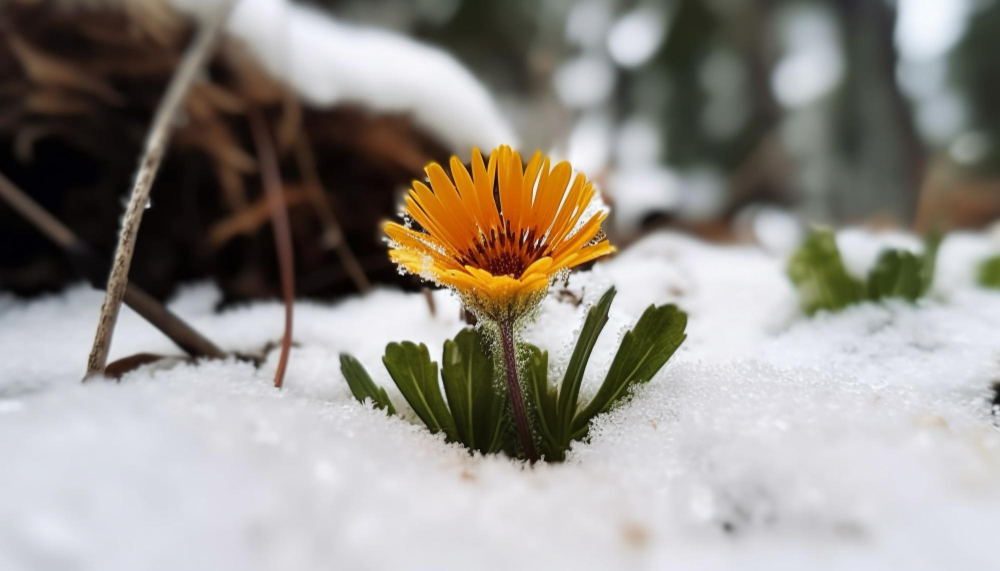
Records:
x=856, y=440
x=860, y=248
x=584, y=81
x=643, y=191
x=328, y=62
x=637, y=35
x=812, y=64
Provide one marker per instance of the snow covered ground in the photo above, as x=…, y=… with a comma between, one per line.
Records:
x=860, y=440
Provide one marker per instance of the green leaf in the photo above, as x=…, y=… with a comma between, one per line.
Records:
x=569, y=391
x=643, y=351
x=989, y=273
x=818, y=273
x=897, y=273
x=932, y=243
x=544, y=400
x=476, y=406
x=416, y=376
x=362, y=386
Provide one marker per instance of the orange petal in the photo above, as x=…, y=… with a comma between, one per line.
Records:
x=527, y=188
x=483, y=178
x=460, y=217
x=467, y=190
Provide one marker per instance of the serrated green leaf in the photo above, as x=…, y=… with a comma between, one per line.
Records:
x=476, y=406
x=361, y=384
x=543, y=399
x=989, y=273
x=897, y=273
x=569, y=391
x=820, y=277
x=416, y=376
x=643, y=351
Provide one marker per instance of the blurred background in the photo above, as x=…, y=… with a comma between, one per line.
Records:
x=838, y=110
x=733, y=120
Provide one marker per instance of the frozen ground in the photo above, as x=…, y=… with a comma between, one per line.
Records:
x=861, y=440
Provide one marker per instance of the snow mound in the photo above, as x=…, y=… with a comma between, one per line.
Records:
x=329, y=63
x=856, y=440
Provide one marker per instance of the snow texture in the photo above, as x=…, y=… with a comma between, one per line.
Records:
x=857, y=440
x=328, y=62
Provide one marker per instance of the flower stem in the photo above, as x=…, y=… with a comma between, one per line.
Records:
x=514, y=390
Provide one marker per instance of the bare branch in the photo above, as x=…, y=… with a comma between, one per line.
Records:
x=39, y=217
x=191, y=65
x=270, y=173
x=192, y=342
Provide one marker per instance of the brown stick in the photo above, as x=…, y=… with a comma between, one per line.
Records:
x=191, y=65
x=192, y=342
x=270, y=173
x=39, y=217
x=182, y=334
x=429, y=298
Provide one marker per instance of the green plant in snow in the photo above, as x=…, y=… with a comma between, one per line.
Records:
x=823, y=283
x=989, y=272
x=474, y=409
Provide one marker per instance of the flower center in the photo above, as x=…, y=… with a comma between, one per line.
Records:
x=503, y=253
x=505, y=264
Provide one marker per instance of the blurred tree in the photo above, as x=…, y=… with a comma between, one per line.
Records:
x=882, y=154
x=712, y=89
x=975, y=67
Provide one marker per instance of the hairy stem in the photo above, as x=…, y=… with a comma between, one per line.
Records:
x=514, y=390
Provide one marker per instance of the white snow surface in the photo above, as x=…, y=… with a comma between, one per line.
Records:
x=329, y=62
x=857, y=440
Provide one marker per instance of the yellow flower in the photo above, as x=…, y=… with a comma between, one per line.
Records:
x=500, y=236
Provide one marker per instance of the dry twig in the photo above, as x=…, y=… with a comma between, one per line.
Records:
x=270, y=173
x=429, y=298
x=333, y=234
x=191, y=65
x=252, y=218
x=192, y=342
